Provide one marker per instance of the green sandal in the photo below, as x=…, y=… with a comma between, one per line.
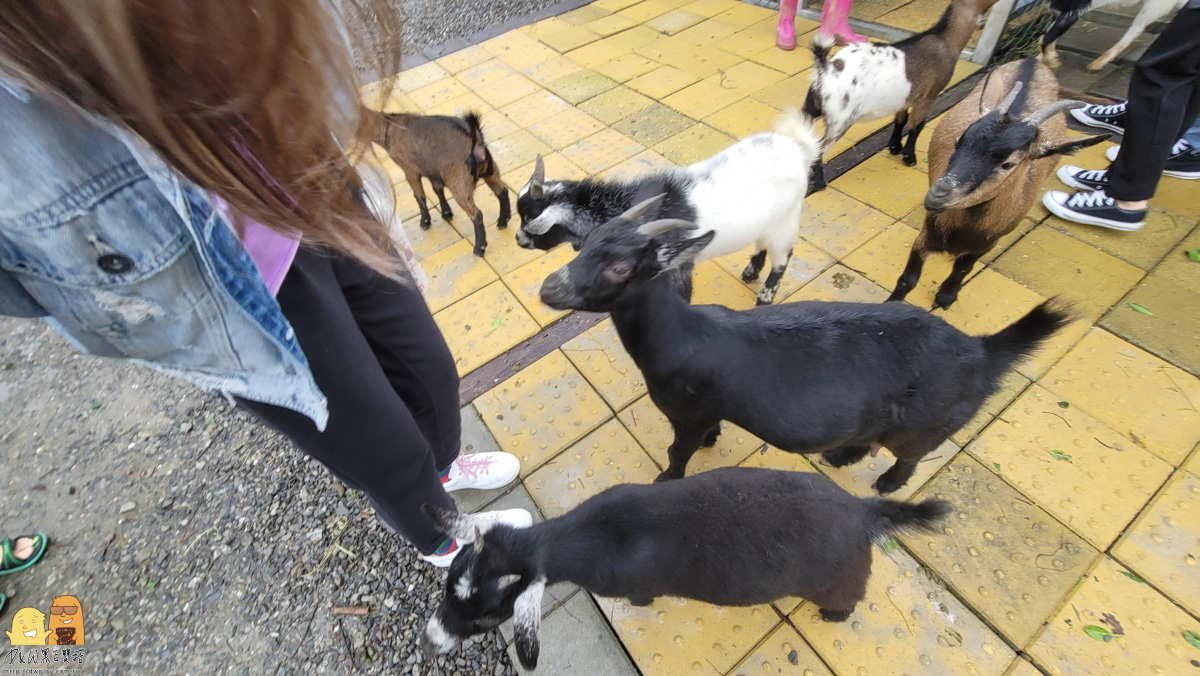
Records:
x=9, y=563
x=3, y=600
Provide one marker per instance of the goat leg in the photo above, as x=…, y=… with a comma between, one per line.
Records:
x=414, y=182
x=895, y=146
x=505, y=212
x=896, y=476
x=910, y=149
x=687, y=442
x=757, y=261
x=846, y=455
x=480, y=235
x=816, y=179
x=767, y=295
x=710, y=438
x=835, y=615
x=911, y=275
x=948, y=292
x=440, y=190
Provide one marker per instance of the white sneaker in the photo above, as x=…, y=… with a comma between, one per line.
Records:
x=481, y=471
x=517, y=518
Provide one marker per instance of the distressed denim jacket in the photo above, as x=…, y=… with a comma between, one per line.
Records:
x=127, y=259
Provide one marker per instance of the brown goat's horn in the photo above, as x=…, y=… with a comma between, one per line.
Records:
x=655, y=228
x=638, y=210
x=539, y=178
x=1046, y=112
x=1010, y=98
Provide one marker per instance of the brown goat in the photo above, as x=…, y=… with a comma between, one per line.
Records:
x=988, y=158
x=451, y=153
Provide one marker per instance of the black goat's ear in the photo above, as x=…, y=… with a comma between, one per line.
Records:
x=1069, y=147
x=527, y=622
x=671, y=255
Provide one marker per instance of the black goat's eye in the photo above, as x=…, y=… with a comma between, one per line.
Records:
x=618, y=272
x=1008, y=165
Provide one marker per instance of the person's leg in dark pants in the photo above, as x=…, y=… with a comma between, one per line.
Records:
x=1164, y=99
x=373, y=441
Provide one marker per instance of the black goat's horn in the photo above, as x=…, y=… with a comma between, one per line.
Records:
x=655, y=228
x=638, y=210
x=538, y=179
x=1010, y=98
x=1046, y=112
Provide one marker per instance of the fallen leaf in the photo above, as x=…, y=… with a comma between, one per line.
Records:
x=1063, y=404
x=495, y=325
x=1098, y=633
x=1194, y=254
x=1111, y=621
x=1059, y=455
x=996, y=465
x=1133, y=577
x=890, y=546
x=1192, y=637
x=96, y=404
x=1139, y=308
x=1137, y=440
x=151, y=585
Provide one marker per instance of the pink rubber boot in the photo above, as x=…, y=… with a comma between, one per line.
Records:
x=785, y=33
x=835, y=22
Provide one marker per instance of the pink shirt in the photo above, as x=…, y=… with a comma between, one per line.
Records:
x=272, y=252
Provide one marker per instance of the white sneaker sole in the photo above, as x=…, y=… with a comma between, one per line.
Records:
x=517, y=518
x=1111, y=154
x=1068, y=215
x=1090, y=121
x=1065, y=176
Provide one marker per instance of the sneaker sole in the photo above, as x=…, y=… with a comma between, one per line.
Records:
x=1185, y=175
x=1068, y=179
x=1084, y=118
x=1061, y=211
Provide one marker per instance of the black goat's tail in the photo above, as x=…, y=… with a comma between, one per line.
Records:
x=821, y=46
x=1024, y=336
x=479, y=162
x=893, y=515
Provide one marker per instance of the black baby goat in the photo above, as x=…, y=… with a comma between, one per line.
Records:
x=829, y=378
x=734, y=536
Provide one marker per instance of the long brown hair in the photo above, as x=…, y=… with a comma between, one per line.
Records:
x=255, y=100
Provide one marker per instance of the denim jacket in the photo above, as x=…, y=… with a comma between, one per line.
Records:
x=128, y=259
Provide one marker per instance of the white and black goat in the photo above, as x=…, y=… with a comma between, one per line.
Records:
x=734, y=536
x=1069, y=12
x=988, y=159
x=751, y=193
x=808, y=377
x=451, y=153
x=867, y=81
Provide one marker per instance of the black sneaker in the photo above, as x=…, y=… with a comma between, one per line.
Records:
x=1184, y=161
x=1093, y=208
x=1106, y=117
x=1083, y=179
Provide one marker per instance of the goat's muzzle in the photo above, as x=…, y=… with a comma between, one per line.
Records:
x=937, y=197
x=523, y=240
x=558, y=292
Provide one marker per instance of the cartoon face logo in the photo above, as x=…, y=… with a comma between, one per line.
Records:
x=66, y=621
x=28, y=627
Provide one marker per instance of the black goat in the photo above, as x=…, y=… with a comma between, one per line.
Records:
x=829, y=378
x=734, y=536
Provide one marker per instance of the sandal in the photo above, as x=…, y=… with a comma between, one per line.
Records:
x=3, y=600
x=9, y=563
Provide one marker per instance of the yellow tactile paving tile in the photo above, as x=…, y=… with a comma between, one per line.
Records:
x=713, y=286
x=1011, y=386
x=463, y=59
x=794, y=62
x=1163, y=545
x=480, y=75
x=662, y=82
x=412, y=79
x=483, y=325
x=581, y=86
x=616, y=104
x=550, y=70
x=743, y=118
x=560, y=35
x=769, y=457
x=1193, y=463
x=602, y=150
x=600, y=357
x=656, y=124
x=1148, y=629
x=526, y=283
x=750, y=39
x=1147, y=400
x=542, y=410
x=558, y=168
x=609, y=25
x=783, y=652
x=534, y=108
x=710, y=8
x=787, y=93
x=503, y=254
x=859, y=478
x=645, y=162
x=613, y=5
x=840, y=284
x=654, y=433
x=708, y=32
x=746, y=78
x=625, y=67
x=693, y=144
x=517, y=149
x=562, y=129
x=455, y=273
x=907, y=624
x=507, y=90
x=916, y=219
x=807, y=262
x=1022, y=667
x=1173, y=331
x=745, y=15
x=1007, y=558
x=1160, y=235
x=645, y=10
x=882, y=258
x=434, y=93
x=588, y=13
x=425, y=243
x=604, y=458
x=518, y=51
x=678, y=636
x=701, y=99
x=673, y=22
x=1088, y=476
x=596, y=53
x=1178, y=268
x=699, y=61
x=1058, y=265
x=879, y=183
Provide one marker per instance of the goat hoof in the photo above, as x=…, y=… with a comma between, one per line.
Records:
x=895, y=150
x=501, y=225
x=448, y=215
x=909, y=160
x=885, y=484
x=479, y=251
x=764, y=298
x=944, y=301
x=642, y=602
x=710, y=440
x=749, y=275
x=426, y=223
x=835, y=615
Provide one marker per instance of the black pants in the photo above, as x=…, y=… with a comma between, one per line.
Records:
x=1164, y=100
x=391, y=383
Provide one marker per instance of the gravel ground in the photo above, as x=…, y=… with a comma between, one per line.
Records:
x=199, y=541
